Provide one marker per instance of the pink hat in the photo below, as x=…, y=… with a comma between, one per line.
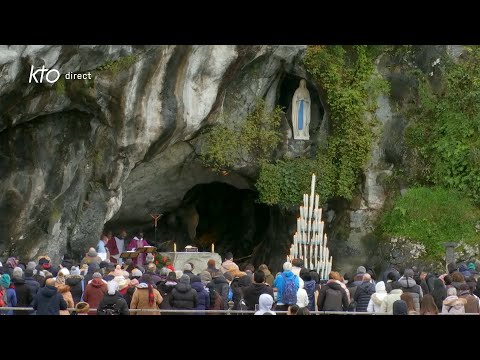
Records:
x=118, y=271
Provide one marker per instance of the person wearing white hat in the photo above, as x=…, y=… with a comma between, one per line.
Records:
x=113, y=303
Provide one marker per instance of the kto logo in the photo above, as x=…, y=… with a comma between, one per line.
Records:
x=50, y=75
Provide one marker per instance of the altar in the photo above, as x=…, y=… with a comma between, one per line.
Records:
x=198, y=259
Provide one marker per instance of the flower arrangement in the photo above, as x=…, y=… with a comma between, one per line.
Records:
x=163, y=261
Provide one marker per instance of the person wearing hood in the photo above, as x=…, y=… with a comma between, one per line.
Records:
x=375, y=303
x=94, y=292
x=281, y=283
x=203, y=297
x=75, y=281
x=269, y=279
x=222, y=287
x=389, y=300
x=428, y=306
x=302, y=297
x=252, y=293
x=408, y=284
x=22, y=292
x=91, y=257
x=265, y=303
x=240, y=282
x=48, y=301
x=146, y=297
x=7, y=292
x=471, y=306
x=332, y=296
x=439, y=293
x=363, y=293
x=183, y=297
x=399, y=307
x=113, y=299
x=453, y=304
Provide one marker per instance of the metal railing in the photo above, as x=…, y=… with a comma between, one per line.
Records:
x=222, y=312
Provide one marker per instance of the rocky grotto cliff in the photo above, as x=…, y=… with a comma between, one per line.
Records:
x=78, y=154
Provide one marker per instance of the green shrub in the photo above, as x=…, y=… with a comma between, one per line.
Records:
x=432, y=216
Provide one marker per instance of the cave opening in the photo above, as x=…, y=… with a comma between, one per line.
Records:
x=230, y=218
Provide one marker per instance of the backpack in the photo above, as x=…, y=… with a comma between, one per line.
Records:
x=289, y=295
x=109, y=309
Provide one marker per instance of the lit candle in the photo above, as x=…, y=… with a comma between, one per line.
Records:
x=213, y=247
x=174, y=247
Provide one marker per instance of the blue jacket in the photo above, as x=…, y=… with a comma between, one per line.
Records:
x=203, y=296
x=11, y=299
x=280, y=284
x=49, y=302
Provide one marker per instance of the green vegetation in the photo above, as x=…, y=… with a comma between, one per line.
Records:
x=450, y=119
x=252, y=140
x=347, y=75
x=432, y=216
x=115, y=66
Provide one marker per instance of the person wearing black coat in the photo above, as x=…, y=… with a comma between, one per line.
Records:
x=251, y=294
x=48, y=301
x=39, y=278
x=183, y=297
x=332, y=297
x=67, y=262
x=75, y=283
x=113, y=297
x=363, y=294
x=222, y=287
x=439, y=293
x=24, y=296
x=393, y=270
x=32, y=284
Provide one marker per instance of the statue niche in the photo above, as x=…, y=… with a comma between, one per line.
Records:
x=301, y=106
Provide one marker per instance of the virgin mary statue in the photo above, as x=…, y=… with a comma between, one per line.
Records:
x=301, y=112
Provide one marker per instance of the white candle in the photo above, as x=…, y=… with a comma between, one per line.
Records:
x=317, y=200
x=313, y=186
x=174, y=247
x=213, y=247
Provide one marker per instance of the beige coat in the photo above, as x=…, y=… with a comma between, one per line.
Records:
x=67, y=296
x=140, y=301
x=387, y=303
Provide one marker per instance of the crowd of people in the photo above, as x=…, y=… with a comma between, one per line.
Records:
x=99, y=286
